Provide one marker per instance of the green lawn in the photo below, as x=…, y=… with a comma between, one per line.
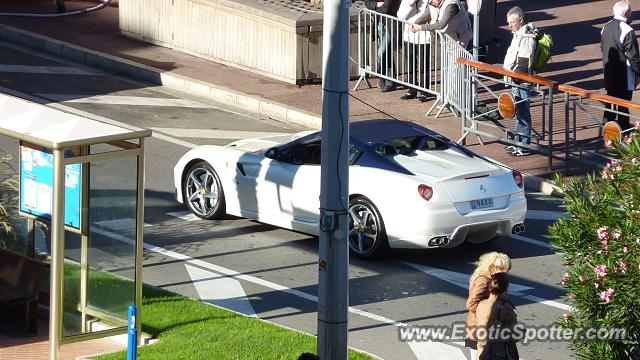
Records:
x=189, y=329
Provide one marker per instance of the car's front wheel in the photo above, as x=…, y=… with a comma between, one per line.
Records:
x=202, y=191
x=367, y=235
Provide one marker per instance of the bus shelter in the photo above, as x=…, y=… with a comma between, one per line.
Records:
x=84, y=179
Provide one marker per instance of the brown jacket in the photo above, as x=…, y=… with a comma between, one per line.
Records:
x=478, y=291
x=489, y=313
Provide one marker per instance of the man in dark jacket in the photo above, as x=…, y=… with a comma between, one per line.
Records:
x=620, y=60
x=386, y=37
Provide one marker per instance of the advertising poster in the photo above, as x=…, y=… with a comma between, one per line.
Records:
x=36, y=185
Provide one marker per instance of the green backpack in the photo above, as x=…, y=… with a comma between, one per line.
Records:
x=541, y=56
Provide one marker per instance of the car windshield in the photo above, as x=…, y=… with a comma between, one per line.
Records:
x=409, y=145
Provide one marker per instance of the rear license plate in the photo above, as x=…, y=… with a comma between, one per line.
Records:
x=481, y=203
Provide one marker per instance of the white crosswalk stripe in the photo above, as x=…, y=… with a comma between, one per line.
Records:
x=125, y=100
x=51, y=70
x=214, y=134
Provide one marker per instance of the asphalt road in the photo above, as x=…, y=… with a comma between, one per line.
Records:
x=258, y=269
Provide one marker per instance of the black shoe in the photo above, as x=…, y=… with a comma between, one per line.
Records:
x=425, y=98
x=388, y=88
x=408, y=96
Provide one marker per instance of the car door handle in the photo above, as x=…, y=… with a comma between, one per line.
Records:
x=241, y=169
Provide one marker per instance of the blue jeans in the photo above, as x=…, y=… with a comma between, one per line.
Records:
x=521, y=97
x=385, y=53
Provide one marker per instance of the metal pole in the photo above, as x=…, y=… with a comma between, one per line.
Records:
x=333, y=289
x=139, y=237
x=84, y=242
x=31, y=238
x=57, y=256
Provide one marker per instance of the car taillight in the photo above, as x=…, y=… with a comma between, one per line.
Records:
x=425, y=191
x=517, y=177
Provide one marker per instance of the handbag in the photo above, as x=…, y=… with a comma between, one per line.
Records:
x=500, y=349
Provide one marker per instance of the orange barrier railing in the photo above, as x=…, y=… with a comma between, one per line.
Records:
x=574, y=98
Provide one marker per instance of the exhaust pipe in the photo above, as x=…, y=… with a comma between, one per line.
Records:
x=439, y=241
x=517, y=229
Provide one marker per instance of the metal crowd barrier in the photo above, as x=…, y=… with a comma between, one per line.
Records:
x=453, y=75
x=370, y=24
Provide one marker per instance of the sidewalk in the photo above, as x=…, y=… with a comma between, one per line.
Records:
x=37, y=347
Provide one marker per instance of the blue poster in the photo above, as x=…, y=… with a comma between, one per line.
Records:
x=36, y=185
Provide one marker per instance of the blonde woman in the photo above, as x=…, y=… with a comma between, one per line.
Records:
x=487, y=265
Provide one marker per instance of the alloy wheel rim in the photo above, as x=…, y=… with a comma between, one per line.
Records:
x=202, y=191
x=363, y=228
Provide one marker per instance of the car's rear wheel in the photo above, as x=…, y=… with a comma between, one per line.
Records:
x=202, y=191
x=367, y=235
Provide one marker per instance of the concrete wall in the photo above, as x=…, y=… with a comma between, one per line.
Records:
x=277, y=38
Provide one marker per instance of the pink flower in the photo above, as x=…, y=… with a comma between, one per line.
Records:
x=601, y=270
x=581, y=278
x=627, y=140
x=623, y=266
x=638, y=241
x=637, y=125
x=633, y=160
x=624, y=249
x=618, y=168
x=565, y=316
x=616, y=234
x=564, y=279
x=606, y=295
x=573, y=296
x=611, y=176
x=596, y=285
x=603, y=233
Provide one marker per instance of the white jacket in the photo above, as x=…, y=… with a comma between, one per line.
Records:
x=414, y=12
x=520, y=53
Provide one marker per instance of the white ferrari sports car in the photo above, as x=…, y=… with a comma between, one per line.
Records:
x=409, y=187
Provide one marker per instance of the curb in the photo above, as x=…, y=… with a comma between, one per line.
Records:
x=273, y=110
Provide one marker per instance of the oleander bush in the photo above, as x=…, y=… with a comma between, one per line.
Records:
x=600, y=244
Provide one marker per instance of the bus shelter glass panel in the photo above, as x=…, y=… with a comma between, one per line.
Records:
x=72, y=315
x=112, y=235
x=13, y=228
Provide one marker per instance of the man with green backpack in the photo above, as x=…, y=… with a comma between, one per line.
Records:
x=520, y=58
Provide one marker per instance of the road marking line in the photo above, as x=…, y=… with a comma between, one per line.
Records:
x=532, y=241
x=55, y=70
x=462, y=280
x=547, y=215
x=119, y=224
x=214, y=134
x=125, y=100
x=184, y=215
x=268, y=284
x=221, y=291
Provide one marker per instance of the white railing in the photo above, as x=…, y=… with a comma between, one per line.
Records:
x=423, y=60
x=420, y=72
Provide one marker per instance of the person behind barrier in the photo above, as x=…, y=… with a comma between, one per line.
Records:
x=620, y=61
x=416, y=45
x=519, y=59
x=450, y=17
x=386, y=38
x=488, y=264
